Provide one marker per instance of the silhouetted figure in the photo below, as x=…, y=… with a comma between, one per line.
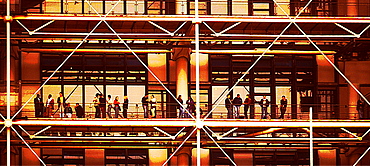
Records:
x=179, y=106
x=96, y=106
x=229, y=107
x=360, y=108
x=248, y=103
x=283, y=106
x=125, y=106
x=145, y=103
x=264, y=103
x=191, y=106
x=39, y=106
x=102, y=105
x=79, y=111
x=237, y=102
x=68, y=111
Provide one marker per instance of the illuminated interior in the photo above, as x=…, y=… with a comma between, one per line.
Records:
x=314, y=53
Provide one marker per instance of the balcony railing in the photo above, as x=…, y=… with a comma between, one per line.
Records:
x=135, y=111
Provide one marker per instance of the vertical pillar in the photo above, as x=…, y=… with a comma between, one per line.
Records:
x=204, y=156
x=28, y=158
x=352, y=99
x=8, y=18
x=94, y=157
x=183, y=157
x=243, y=158
x=157, y=156
x=352, y=8
x=327, y=157
x=182, y=55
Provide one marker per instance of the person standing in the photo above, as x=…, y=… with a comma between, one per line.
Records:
x=180, y=107
x=248, y=102
x=229, y=107
x=110, y=106
x=39, y=105
x=153, y=106
x=102, y=105
x=264, y=103
x=96, y=106
x=191, y=106
x=283, y=106
x=49, y=106
x=117, y=108
x=61, y=104
x=145, y=103
x=125, y=106
x=237, y=102
x=79, y=111
x=360, y=108
x=68, y=110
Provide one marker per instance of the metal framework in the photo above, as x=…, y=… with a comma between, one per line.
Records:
x=204, y=132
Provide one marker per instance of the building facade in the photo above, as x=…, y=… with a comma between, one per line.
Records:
x=315, y=53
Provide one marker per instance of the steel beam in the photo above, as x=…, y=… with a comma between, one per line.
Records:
x=210, y=18
x=189, y=122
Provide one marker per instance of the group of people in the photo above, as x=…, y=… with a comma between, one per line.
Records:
x=233, y=106
x=64, y=109
x=149, y=104
x=103, y=107
x=100, y=105
x=186, y=110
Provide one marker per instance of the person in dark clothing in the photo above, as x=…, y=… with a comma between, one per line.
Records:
x=145, y=103
x=237, y=102
x=68, y=110
x=191, y=106
x=181, y=109
x=39, y=106
x=264, y=103
x=283, y=106
x=360, y=108
x=79, y=111
x=102, y=105
x=125, y=106
x=248, y=103
x=229, y=107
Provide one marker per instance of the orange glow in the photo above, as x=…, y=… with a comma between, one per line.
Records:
x=157, y=156
x=327, y=157
x=321, y=61
x=204, y=156
x=94, y=156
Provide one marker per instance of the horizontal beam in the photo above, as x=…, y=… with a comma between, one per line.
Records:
x=188, y=122
x=182, y=18
x=168, y=51
x=94, y=50
x=256, y=51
